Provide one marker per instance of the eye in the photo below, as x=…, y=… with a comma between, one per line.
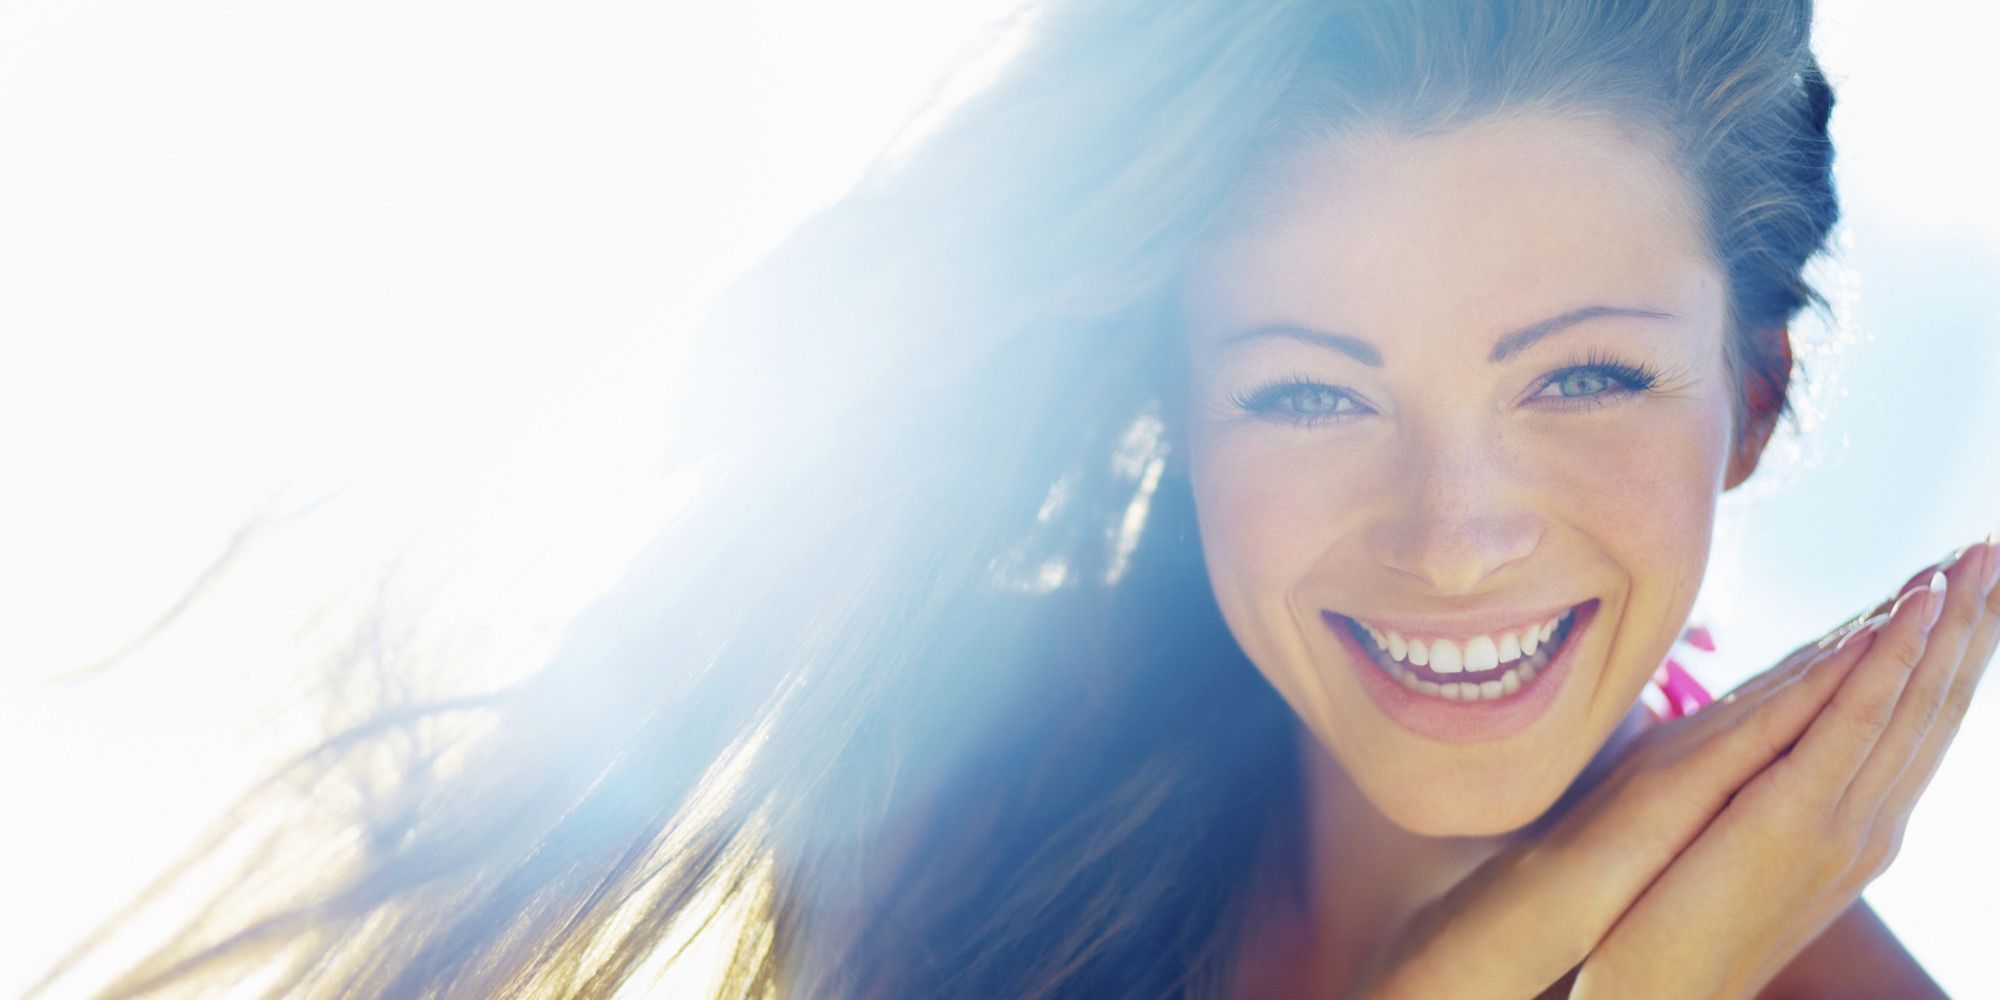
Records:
x=1593, y=382
x=1299, y=401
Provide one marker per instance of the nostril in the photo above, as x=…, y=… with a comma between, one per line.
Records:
x=1455, y=557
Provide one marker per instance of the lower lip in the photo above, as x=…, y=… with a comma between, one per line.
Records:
x=1465, y=721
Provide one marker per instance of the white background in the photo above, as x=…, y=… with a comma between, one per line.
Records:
x=378, y=272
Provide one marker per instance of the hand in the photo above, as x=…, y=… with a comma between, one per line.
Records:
x=1798, y=843
x=1536, y=910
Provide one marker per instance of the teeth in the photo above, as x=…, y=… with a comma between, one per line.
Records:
x=1445, y=657
x=1508, y=683
x=1529, y=649
x=1479, y=652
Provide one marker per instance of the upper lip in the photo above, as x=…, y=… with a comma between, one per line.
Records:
x=1454, y=626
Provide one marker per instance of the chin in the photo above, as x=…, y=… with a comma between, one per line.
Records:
x=1472, y=813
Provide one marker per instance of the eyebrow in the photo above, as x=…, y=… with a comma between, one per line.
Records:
x=1504, y=348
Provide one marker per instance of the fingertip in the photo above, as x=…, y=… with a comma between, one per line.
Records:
x=1864, y=631
x=1915, y=592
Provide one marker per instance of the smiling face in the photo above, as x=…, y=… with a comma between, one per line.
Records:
x=1445, y=390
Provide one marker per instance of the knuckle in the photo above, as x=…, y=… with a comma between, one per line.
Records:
x=1801, y=820
x=1964, y=615
x=1907, y=653
x=1952, y=713
x=1929, y=702
x=1869, y=720
x=1847, y=853
x=1877, y=851
x=1831, y=859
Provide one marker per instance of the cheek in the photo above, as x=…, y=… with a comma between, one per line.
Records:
x=1644, y=491
x=1267, y=509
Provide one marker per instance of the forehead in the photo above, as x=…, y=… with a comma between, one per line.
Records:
x=1498, y=222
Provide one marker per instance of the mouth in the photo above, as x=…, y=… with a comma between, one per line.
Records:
x=1470, y=687
x=1468, y=668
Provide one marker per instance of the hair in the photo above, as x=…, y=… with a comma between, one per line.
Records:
x=924, y=692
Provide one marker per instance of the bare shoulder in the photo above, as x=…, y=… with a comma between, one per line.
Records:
x=1856, y=956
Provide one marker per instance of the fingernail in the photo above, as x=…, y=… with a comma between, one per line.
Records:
x=1992, y=559
x=1833, y=639
x=1917, y=580
x=1868, y=627
x=1912, y=592
x=1935, y=606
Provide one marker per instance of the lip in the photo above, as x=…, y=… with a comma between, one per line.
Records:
x=1465, y=721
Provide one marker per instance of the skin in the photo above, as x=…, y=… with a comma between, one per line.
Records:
x=1439, y=481
x=1467, y=487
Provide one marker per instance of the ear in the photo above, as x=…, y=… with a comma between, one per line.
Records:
x=1763, y=402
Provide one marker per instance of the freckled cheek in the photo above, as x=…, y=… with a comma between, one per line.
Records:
x=1269, y=514
x=1645, y=494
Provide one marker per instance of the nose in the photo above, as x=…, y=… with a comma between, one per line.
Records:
x=1455, y=517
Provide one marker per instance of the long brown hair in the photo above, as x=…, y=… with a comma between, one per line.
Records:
x=925, y=694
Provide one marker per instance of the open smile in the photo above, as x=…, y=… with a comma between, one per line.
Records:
x=1481, y=667
x=1469, y=686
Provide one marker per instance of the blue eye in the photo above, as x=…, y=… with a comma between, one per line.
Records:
x=1299, y=401
x=1595, y=381
x=1583, y=382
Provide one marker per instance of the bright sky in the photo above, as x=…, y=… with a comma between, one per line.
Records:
x=425, y=253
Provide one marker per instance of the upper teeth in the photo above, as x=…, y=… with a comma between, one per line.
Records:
x=1479, y=652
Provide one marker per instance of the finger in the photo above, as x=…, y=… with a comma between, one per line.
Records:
x=1834, y=746
x=1817, y=670
x=1662, y=795
x=1818, y=659
x=1972, y=667
x=1928, y=686
x=1600, y=856
x=1745, y=697
x=1804, y=657
x=1916, y=581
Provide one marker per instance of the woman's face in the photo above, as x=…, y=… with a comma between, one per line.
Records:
x=1447, y=390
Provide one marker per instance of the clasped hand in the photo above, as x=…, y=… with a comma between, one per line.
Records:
x=1721, y=844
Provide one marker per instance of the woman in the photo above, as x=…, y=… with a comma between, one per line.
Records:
x=1199, y=523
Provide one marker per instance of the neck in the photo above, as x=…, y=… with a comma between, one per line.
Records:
x=1345, y=878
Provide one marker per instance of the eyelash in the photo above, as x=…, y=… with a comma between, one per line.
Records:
x=1628, y=379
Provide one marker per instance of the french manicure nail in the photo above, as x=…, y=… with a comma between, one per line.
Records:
x=1915, y=590
x=1935, y=605
x=1992, y=559
x=1868, y=627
